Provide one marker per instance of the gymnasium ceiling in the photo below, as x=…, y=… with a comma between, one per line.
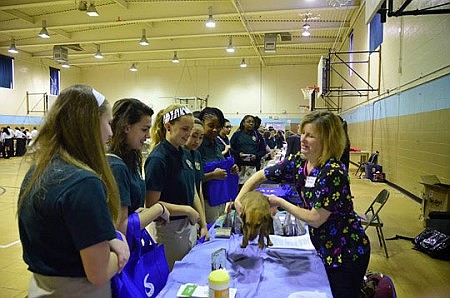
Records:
x=177, y=25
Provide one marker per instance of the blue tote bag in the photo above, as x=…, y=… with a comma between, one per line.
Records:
x=147, y=270
x=221, y=191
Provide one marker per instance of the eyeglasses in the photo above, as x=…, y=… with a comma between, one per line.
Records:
x=228, y=126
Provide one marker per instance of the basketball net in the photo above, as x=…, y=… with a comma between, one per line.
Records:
x=307, y=97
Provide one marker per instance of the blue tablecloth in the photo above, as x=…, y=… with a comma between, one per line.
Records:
x=254, y=272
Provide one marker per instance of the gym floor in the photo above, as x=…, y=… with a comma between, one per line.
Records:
x=413, y=273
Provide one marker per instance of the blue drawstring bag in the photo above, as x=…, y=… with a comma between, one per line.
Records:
x=221, y=191
x=146, y=272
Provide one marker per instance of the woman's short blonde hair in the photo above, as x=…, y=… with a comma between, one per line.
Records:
x=330, y=131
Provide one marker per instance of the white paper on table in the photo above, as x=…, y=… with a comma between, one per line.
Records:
x=201, y=291
x=308, y=294
x=302, y=242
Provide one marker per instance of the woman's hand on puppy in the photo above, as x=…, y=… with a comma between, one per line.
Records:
x=274, y=201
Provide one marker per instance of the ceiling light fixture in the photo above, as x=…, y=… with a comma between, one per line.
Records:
x=65, y=64
x=133, y=67
x=98, y=54
x=230, y=48
x=243, y=63
x=144, y=41
x=210, y=23
x=44, y=33
x=92, y=11
x=175, y=58
x=12, y=48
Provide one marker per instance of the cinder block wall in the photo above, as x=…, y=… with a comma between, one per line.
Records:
x=407, y=120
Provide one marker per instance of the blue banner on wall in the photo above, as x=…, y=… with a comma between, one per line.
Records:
x=54, y=81
x=376, y=32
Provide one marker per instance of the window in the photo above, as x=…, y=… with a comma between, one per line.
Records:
x=375, y=33
x=6, y=72
x=54, y=81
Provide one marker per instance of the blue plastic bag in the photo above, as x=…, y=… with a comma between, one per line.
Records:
x=146, y=272
x=221, y=191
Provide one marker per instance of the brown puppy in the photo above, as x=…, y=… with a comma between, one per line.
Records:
x=256, y=218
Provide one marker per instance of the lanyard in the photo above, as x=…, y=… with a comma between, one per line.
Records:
x=223, y=142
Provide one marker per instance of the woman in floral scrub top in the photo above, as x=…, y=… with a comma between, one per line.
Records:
x=323, y=184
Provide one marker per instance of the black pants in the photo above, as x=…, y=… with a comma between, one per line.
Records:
x=346, y=280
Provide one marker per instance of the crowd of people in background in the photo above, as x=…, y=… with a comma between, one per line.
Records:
x=170, y=188
x=14, y=142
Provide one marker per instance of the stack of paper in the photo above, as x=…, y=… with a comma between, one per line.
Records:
x=296, y=242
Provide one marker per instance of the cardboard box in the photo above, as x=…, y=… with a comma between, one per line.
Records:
x=435, y=195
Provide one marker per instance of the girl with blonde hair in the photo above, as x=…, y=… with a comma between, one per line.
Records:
x=170, y=178
x=68, y=202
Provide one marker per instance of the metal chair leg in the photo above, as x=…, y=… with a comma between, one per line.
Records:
x=384, y=243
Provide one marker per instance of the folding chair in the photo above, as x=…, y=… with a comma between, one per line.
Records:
x=373, y=159
x=371, y=217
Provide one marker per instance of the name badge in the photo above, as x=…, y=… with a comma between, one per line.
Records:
x=310, y=181
x=189, y=163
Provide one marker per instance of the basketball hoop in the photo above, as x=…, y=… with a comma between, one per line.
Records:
x=308, y=91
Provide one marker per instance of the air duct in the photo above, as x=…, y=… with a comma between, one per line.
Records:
x=60, y=54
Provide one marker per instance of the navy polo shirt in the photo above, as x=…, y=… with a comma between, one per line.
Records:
x=210, y=151
x=131, y=184
x=64, y=213
x=246, y=142
x=169, y=170
x=196, y=159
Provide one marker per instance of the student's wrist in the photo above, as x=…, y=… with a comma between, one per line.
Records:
x=163, y=209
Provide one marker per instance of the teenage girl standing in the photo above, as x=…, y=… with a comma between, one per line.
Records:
x=213, y=121
x=131, y=125
x=169, y=178
x=69, y=202
x=194, y=141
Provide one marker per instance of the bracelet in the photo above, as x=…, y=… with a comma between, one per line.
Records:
x=163, y=209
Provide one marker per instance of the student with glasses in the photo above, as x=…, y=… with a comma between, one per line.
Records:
x=224, y=141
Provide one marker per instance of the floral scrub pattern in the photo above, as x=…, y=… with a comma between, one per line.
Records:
x=342, y=235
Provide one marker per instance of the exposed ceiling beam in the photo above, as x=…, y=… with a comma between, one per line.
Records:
x=291, y=46
x=61, y=32
x=244, y=22
x=18, y=4
x=122, y=3
x=18, y=14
